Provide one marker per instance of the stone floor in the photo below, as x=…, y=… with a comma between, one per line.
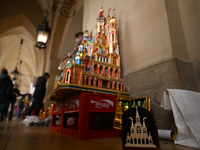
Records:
x=16, y=136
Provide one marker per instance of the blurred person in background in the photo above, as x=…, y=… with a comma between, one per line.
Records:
x=12, y=101
x=6, y=89
x=39, y=94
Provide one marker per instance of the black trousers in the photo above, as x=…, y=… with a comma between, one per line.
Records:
x=37, y=103
x=2, y=114
x=11, y=110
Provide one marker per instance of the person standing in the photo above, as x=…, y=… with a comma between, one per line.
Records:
x=6, y=88
x=39, y=94
x=12, y=101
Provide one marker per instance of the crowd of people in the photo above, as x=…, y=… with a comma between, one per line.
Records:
x=20, y=104
x=26, y=104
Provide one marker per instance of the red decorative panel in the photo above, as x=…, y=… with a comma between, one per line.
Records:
x=72, y=104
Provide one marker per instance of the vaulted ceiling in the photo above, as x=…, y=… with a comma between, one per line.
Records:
x=19, y=20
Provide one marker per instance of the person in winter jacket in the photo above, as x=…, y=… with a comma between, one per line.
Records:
x=12, y=101
x=6, y=88
x=39, y=94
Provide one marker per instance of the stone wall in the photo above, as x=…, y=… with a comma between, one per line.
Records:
x=152, y=81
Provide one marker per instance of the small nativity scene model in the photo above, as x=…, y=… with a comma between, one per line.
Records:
x=97, y=61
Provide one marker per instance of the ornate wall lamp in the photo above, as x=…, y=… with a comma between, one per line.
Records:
x=43, y=30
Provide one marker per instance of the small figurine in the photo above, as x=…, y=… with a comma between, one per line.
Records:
x=120, y=109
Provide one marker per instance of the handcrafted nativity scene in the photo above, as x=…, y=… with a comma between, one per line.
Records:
x=97, y=61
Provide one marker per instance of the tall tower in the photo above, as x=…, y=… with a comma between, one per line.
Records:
x=112, y=36
x=101, y=21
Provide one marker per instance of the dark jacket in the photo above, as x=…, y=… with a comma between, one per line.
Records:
x=6, y=87
x=40, y=88
x=13, y=95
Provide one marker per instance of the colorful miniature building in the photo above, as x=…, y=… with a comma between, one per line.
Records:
x=97, y=62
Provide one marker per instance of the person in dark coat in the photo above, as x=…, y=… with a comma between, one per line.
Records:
x=12, y=101
x=39, y=94
x=6, y=87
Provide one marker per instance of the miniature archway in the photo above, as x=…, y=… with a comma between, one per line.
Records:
x=91, y=81
x=116, y=73
x=106, y=69
x=114, y=61
x=100, y=69
x=86, y=81
x=111, y=72
x=68, y=76
x=95, y=68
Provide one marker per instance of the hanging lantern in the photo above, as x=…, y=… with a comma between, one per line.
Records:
x=15, y=74
x=43, y=33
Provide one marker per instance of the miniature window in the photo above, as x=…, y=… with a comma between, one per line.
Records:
x=114, y=60
x=92, y=82
x=104, y=60
x=86, y=81
x=100, y=69
x=90, y=50
x=132, y=131
x=95, y=68
x=137, y=119
x=100, y=28
x=135, y=141
x=111, y=70
x=106, y=70
x=68, y=76
x=98, y=58
x=143, y=142
x=139, y=141
x=116, y=71
x=112, y=37
x=96, y=82
x=138, y=129
x=114, y=85
x=144, y=131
